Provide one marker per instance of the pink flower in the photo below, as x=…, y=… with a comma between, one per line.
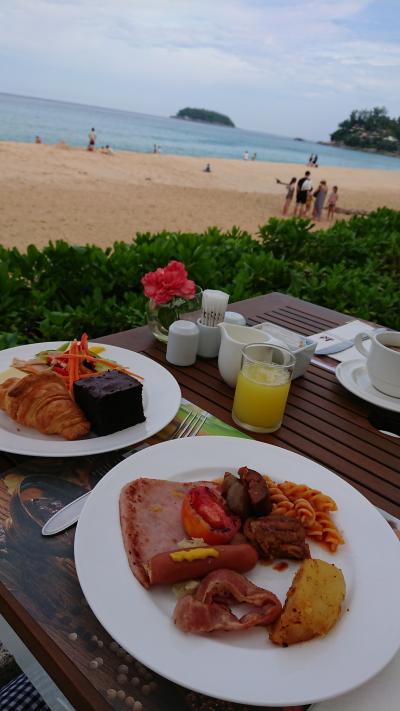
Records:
x=166, y=282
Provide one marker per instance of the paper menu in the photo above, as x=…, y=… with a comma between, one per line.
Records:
x=342, y=333
x=289, y=338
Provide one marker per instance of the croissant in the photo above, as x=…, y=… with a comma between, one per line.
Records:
x=42, y=401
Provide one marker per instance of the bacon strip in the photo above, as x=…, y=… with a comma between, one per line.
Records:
x=207, y=610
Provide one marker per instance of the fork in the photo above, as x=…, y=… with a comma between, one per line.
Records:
x=189, y=427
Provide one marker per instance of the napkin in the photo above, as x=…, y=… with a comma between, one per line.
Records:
x=383, y=690
x=342, y=333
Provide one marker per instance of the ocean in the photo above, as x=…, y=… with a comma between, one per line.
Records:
x=22, y=118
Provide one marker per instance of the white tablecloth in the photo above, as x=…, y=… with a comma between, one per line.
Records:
x=382, y=693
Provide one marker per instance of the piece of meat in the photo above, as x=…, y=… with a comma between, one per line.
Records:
x=257, y=490
x=277, y=537
x=207, y=610
x=150, y=515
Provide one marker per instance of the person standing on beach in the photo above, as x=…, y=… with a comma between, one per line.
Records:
x=92, y=140
x=332, y=202
x=290, y=189
x=319, y=195
x=308, y=204
x=246, y=155
x=304, y=186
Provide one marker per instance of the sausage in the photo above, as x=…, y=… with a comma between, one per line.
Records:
x=163, y=569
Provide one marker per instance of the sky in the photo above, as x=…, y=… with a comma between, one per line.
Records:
x=289, y=67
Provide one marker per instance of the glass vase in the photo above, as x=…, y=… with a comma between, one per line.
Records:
x=160, y=316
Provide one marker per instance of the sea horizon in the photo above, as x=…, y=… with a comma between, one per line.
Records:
x=23, y=117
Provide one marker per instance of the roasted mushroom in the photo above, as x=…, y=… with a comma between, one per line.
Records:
x=257, y=489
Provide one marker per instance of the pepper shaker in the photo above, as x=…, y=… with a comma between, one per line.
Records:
x=183, y=340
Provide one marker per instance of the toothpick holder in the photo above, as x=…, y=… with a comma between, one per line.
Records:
x=209, y=340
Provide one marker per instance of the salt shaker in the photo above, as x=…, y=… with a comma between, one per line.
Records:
x=183, y=340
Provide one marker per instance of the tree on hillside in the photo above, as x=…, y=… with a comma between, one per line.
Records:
x=372, y=129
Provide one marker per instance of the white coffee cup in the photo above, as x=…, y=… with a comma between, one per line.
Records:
x=383, y=360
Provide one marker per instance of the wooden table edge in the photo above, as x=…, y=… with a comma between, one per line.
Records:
x=81, y=693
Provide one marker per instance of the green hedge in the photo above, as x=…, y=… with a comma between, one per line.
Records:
x=59, y=291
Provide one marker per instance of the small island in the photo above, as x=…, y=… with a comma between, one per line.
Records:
x=204, y=116
x=372, y=131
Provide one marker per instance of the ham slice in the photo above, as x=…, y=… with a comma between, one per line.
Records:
x=150, y=514
x=207, y=610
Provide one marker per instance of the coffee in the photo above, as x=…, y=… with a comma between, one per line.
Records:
x=396, y=349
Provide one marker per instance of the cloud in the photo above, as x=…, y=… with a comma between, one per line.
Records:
x=248, y=53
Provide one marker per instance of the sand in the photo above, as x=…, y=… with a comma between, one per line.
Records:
x=55, y=192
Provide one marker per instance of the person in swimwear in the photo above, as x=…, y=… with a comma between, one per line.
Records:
x=107, y=150
x=290, y=190
x=332, y=202
x=92, y=140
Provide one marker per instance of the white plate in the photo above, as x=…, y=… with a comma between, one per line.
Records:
x=353, y=376
x=161, y=400
x=245, y=667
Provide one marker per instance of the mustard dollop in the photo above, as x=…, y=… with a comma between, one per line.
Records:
x=194, y=554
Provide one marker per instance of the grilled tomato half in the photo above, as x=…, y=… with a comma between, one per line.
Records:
x=205, y=515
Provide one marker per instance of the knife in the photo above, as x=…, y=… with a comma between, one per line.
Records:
x=65, y=517
x=333, y=348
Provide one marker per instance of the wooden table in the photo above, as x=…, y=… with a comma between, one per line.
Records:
x=323, y=422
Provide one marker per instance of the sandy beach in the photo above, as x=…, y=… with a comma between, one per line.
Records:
x=55, y=192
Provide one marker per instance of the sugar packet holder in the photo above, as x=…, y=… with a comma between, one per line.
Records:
x=302, y=347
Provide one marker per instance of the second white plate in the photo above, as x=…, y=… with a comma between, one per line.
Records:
x=161, y=400
x=352, y=374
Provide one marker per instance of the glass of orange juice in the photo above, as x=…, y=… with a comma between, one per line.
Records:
x=262, y=387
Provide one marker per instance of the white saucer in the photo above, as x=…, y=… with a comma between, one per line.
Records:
x=352, y=374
